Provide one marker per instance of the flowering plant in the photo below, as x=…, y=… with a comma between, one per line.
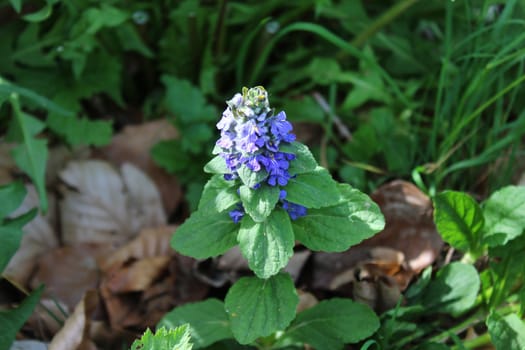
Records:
x=267, y=192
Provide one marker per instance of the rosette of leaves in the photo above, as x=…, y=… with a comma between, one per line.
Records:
x=267, y=192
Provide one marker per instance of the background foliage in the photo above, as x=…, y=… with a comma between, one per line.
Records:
x=424, y=90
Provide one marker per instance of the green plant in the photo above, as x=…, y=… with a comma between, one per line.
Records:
x=267, y=191
x=460, y=296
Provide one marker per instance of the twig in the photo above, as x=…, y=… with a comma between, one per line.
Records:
x=341, y=127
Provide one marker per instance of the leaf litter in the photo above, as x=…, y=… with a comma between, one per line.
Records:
x=105, y=257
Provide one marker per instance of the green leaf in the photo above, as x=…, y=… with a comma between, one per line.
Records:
x=506, y=332
x=316, y=189
x=504, y=215
x=17, y=5
x=11, y=196
x=10, y=236
x=251, y=178
x=259, y=307
x=459, y=220
x=267, y=245
x=304, y=161
x=218, y=195
x=205, y=234
x=80, y=131
x=336, y=228
x=332, y=323
x=31, y=155
x=208, y=321
x=173, y=339
x=187, y=102
x=454, y=289
x=259, y=203
x=217, y=166
x=12, y=320
x=169, y=155
x=41, y=14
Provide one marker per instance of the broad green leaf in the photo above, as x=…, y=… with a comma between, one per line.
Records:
x=304, y=161
x=251, y=178
x=131, y=40
x=315, y=189
x=31, y=157
x=17, y=5
x=12, y=320
x=11, y=196
x=453, y=290
x=267, y=245
x=80, y=131
x=332, y=323
x=259, y=203
x=303, y=109
x=205, y=234
x=208, y=321
x=217, y=166
x=170, y=156
x=32, y=126
x=172, y=339
x=186, y=102
x=259, y=307
x=336, y=228
x=506, y=332
x=218, y=195
x=31, y=154
x=10, y=236
x=504, y=215
x=459, y=220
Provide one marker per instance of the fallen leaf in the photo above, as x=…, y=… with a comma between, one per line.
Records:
x=409, y=224
x=101, y=208
x=145, y=278
x=378, y=269
x=68, y=272
x=138, y=276
x=48, y=318
x=133, y=146
x=75, y=333
x=28, y=345
x=151, y=242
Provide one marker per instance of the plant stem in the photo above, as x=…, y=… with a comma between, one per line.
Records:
x=477, y=317
x=382, y=21
x=483, y=339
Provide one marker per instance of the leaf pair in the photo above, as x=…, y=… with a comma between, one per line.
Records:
x=470, y=227
x=329, y=324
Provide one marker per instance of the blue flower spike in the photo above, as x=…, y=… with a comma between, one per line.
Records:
x=251, y=135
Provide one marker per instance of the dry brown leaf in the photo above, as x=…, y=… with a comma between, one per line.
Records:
x=133, y=145
x=409, y=225
x=100, y=208
x=46, y=318
x=151, y=242
x=69, y=271
x=75, y=333
x=138, y=276
x=38, y=239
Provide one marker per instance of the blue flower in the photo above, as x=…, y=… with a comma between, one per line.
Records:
x=251, y=135
x=237, y=214
x=294, y=210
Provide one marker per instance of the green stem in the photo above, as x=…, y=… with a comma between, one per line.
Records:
x=474, y=343
x=383, y=20
x=477, y=317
